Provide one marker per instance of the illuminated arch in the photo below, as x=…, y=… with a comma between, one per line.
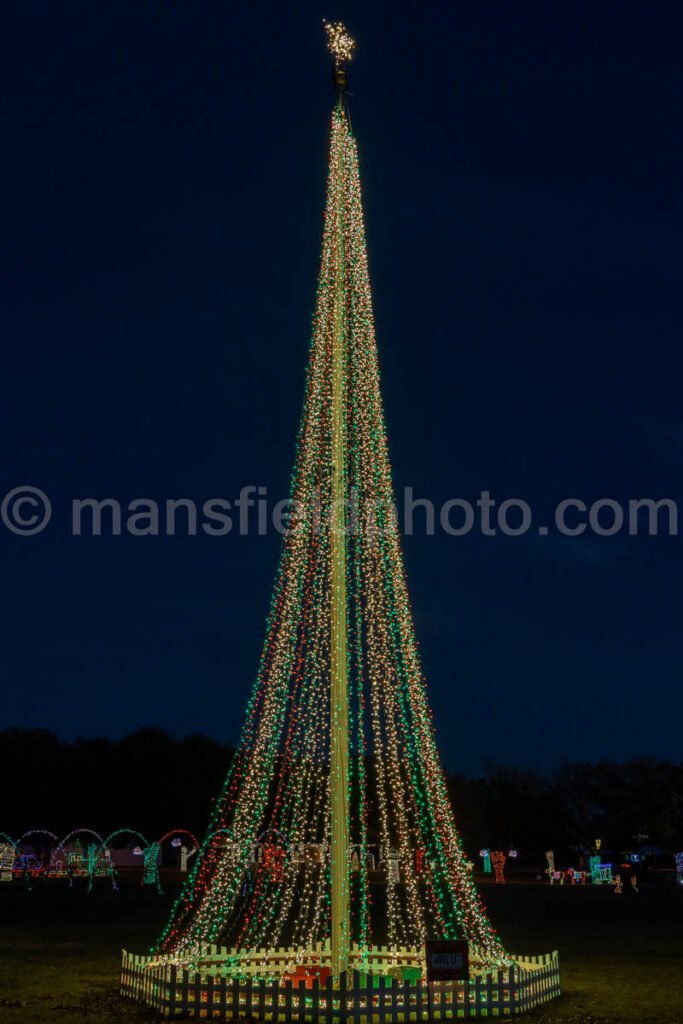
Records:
x=179, y=832
x=38, y=832
x=91, y=858
x=82, y=831
x=125, y=832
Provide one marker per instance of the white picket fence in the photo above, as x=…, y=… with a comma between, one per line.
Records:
x=361, y=999
x=259, y=963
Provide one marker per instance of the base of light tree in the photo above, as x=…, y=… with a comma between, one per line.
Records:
x=308, y=995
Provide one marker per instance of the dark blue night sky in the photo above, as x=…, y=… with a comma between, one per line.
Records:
x=163, y=183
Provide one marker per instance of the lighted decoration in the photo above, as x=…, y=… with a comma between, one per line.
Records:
x=35, y=838
x=29, y=861
x=339, y=42
x=337, y=754
x=8, y=855
x=177, y=842
x=628, y=875
x=27, y=867
x=338, y=748
x=7, y=858
x=36, y=851
x=177, y=834
x=513, y=853
x=185, y=855
x=340, y=678
x=486, y=858
x=550, y=858
x=150, y=873
x=138, y=850
x=498, y=859
x=600, y=874
x=91, y=861
x=678, y=857
x=573, y=876
x=82, y=853
x=604, y=874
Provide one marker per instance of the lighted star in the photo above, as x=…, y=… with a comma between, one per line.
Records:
x=339, y=42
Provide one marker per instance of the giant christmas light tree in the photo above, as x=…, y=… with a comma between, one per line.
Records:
x=338, y=754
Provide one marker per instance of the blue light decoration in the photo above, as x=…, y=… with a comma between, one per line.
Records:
x=678, y=857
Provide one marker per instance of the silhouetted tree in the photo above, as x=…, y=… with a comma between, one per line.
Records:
x=153, y=781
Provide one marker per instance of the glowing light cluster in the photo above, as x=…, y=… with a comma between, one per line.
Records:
x=277, y=796
x=339, y=42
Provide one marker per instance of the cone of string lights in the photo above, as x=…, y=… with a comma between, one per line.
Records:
x=333, y=837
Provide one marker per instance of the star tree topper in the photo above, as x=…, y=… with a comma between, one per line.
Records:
x=339, y=42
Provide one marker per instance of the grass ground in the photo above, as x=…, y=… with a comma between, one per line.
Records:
x=621, y=957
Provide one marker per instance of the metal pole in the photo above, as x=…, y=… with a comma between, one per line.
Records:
x=339, y=704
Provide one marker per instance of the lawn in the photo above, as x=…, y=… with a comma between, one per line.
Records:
x=621, y=957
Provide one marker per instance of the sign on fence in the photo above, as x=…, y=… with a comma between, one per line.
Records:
x=447, y=960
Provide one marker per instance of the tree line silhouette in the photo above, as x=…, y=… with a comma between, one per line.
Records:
x=154, y=781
